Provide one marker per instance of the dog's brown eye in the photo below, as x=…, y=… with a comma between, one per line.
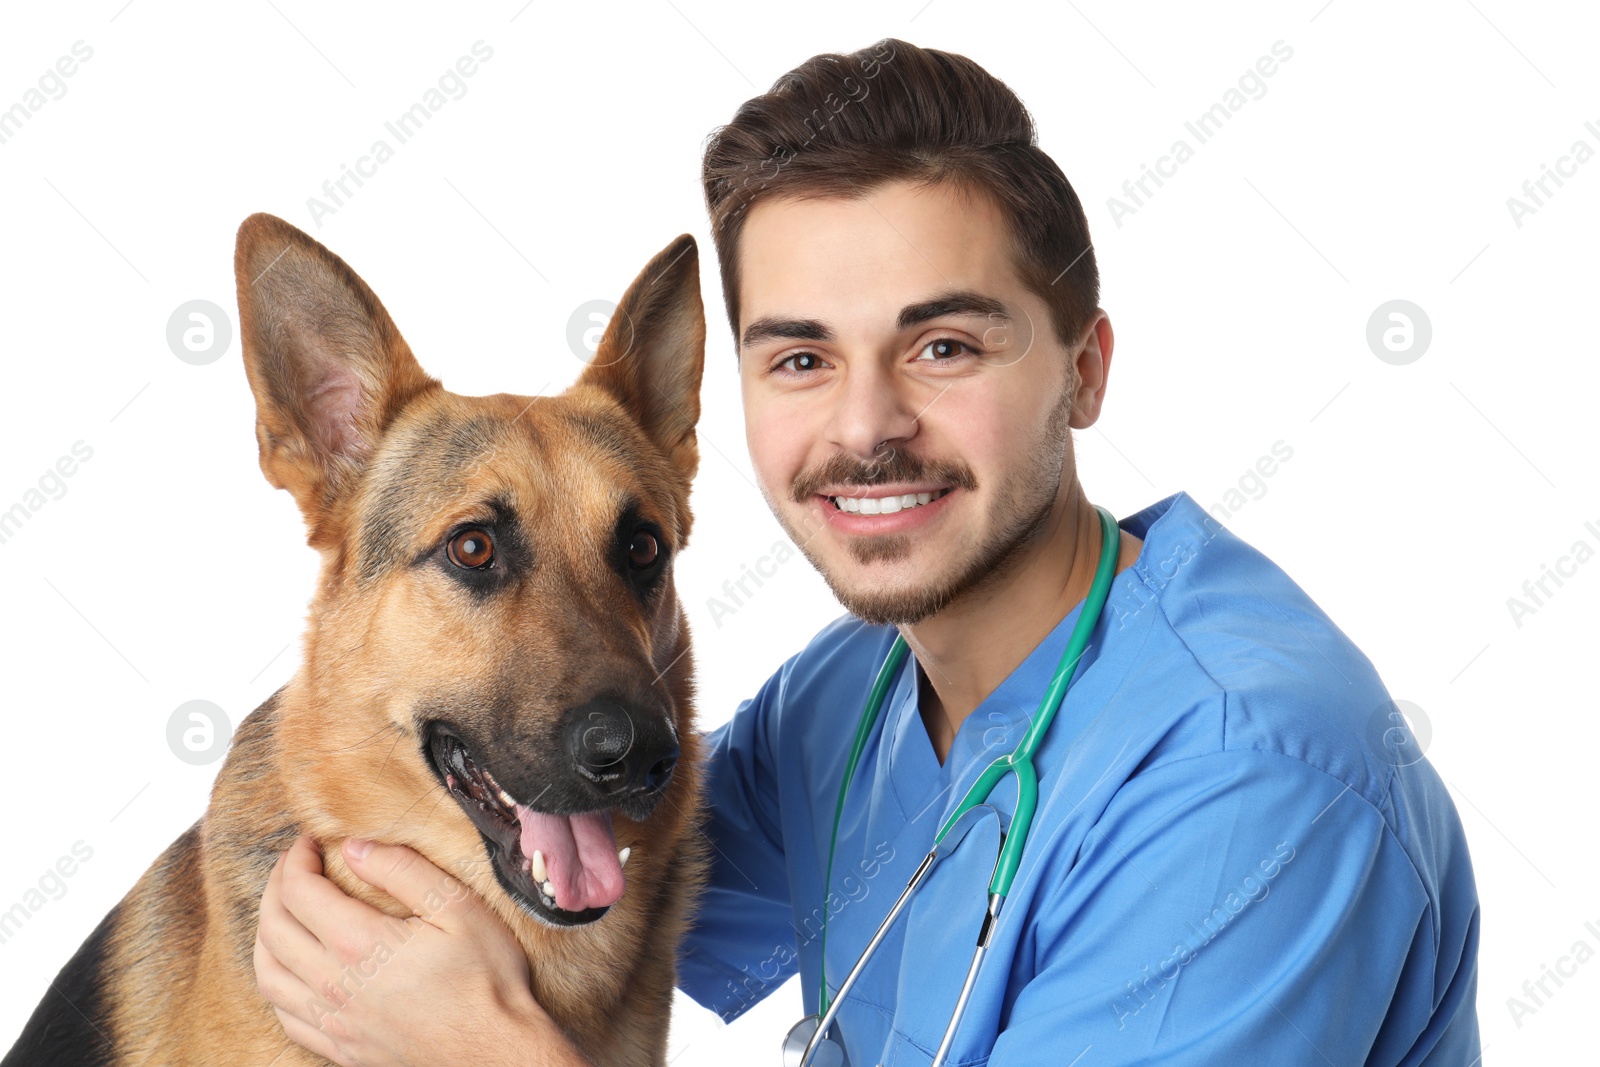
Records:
x=642, y=550
x=471, y=548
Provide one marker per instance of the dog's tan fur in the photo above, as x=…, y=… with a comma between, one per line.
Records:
x=382, y=462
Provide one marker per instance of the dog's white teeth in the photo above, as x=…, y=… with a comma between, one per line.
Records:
x=505, y=798
x=536, y=868
x=548, y=888
x=622, y=856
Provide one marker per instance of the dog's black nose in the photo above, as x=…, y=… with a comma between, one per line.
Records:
x=621, y=750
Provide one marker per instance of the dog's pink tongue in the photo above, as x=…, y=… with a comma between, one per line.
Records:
x=580, y=856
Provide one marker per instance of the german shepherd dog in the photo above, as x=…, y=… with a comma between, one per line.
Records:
x=496, y=673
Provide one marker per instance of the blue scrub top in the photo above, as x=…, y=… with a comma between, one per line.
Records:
x=1240, y=854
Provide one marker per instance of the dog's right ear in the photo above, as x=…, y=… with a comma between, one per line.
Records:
x=652, y=353
x=328, y=368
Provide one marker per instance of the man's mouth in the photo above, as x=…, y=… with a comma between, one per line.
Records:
x=885, y=504
x=563, y=868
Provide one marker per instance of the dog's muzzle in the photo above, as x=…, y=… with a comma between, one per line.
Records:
x=627, y=755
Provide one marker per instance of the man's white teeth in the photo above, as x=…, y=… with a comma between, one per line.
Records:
x=537, y=868
x=883, y=505
x=622, y=856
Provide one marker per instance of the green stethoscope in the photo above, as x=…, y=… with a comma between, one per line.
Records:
x=814, y=1040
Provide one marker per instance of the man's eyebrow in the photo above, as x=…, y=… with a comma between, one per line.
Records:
x=952, y=302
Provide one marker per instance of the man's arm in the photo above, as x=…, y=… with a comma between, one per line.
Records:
x=1245, y=907
x=742, y=946
x=456, y=990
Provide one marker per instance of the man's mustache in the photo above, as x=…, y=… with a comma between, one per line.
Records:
x=894, y=466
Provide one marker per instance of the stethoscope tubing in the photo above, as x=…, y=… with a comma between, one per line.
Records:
x=961, y=820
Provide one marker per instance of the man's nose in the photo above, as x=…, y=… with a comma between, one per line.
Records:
x=874, y=407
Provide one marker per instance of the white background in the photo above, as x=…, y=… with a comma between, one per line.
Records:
x=1376, y=166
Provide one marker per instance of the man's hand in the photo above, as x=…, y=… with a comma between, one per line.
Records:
x=364, y=989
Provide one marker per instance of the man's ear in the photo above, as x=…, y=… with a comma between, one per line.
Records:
x=328, y=368
x=653, y=351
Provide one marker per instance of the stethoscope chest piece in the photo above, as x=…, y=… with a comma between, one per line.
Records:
x=827, y=1053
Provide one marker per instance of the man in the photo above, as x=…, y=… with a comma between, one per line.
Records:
x=1238, y=855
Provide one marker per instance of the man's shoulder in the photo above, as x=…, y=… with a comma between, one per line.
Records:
x=1282, y=674
x=1268, y=671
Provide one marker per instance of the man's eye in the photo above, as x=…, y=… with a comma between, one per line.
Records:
x=801, y=362
x=945, y=348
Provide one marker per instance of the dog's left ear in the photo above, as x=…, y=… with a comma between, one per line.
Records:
x=328, y=368
x=653, y=351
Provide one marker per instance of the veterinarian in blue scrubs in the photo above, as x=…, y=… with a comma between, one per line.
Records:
x=1239, y=853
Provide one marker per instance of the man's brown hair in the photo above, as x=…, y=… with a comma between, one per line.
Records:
x=839, y=125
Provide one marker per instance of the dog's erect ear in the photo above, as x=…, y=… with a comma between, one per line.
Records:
x=328, y=368
x=653, y=351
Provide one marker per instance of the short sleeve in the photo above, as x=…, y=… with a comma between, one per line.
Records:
x=1238, y=907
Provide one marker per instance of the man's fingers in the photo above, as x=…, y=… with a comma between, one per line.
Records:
x=303, y=855
x=300, y=1011
x=281, y=987
x=346, y=928
x=432, y=894
x=308, y=1036
x=281, y=938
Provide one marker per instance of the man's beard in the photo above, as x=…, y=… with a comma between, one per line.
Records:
x=1024, y=501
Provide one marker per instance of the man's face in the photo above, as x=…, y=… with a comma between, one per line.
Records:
x=906, y=400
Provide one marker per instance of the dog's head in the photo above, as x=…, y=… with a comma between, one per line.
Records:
x=495, y=637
